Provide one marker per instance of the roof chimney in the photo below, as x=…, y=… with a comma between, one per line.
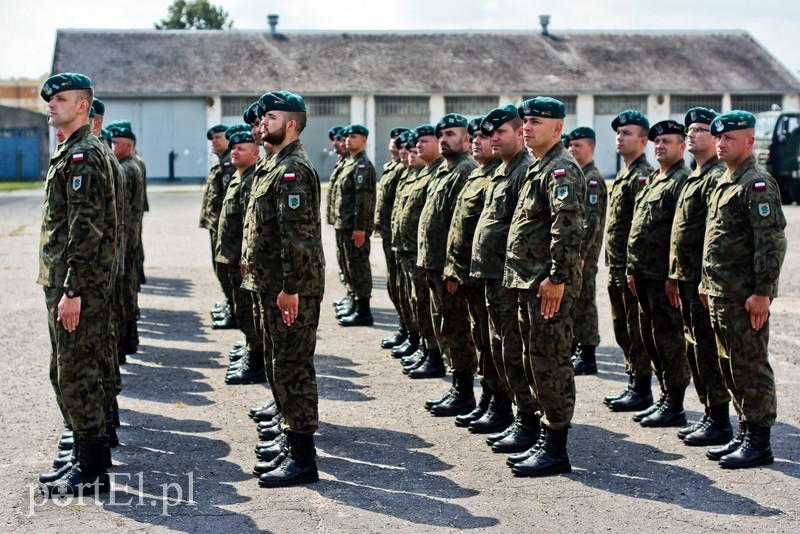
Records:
x=544, y=20
x=272, y=20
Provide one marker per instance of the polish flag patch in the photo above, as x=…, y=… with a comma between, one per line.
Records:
x=361, y=166
x=288, y=177
x=642, y=179
x=77, y=157
x=559, y=172
x=760, y=186
x=592, y=183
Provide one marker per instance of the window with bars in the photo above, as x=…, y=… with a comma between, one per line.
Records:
x=682, y=103
x=755, y=103
x=570, y=101
x=402, y=105
x=328, y=105
x=613, y=105
x=233, y=106
x=470, y=105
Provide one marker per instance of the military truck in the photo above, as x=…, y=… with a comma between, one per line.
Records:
x=777, y=147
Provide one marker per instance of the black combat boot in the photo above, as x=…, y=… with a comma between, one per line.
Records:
x=497, y=417
x=670, y=413
x=115, y=412
x=638, y=397
x=87, y=476
x=433, y=367
x=550, y=458
x=691, y=427
x=415, y=360
x=462, y=402
x=62, y=465
x=524, y=455
x=238, y=354
x=586, y=361
x=609, y=398
x=522, y=437
x=755, y=449
x=225, y=323
x=715, y=430
x=497, y=436
x=715, y=453
x=361, y=317
x=66, y=442
x=638, y=416
x=299, y=467
x=267, y=454
x=573, y=353
x=264, y=413
x=408, y=347
x=268, y=433
x=346, y=309
x=430, y=403
x=395, y=340
x=219, y=306
x=250, y=372
x=275, y=421
x=342, y=301
x=465, y=419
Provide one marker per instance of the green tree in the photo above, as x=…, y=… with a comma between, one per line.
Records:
x=194, y=15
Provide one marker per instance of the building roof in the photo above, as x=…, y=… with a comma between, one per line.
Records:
x=235, y=62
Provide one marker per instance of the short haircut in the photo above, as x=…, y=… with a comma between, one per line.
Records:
x=643, y=132
x=516, y=123
x=300, y=119
x=85, y=94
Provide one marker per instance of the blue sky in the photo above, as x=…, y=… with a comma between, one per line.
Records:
x=28, y=29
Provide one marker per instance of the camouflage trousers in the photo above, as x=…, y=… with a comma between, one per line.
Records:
x=548, y=366
x=340, y=260
x=420, y=305
x=474, y=293
x=227, y=289
x=744, y=360
x=111, y=374
x=78, y=360
x=392, y=286
x=243, y=309
x=403, y=288
x=661, y=327
x=625, y=319
x=130, y=288
x=289, y=358
x=506, y=341
x=587, y=324
x=451, y=325
x=702, y=348
x=358, y=271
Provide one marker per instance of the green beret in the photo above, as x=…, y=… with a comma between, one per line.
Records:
x=341, y=133
x=581, y=132
x=67, y=81
x=92, y=112
x=358, y=129
x=422, y=130
x=565, y=140
x=240, y=137
x=105, y=133
x=397, y=131
x=498, y=117
x=542, y=106
x=236, y=128
x=630, y=116
x=701, y=115
x=411, y=141
x=215, y=129
x=474, y=126
x=99, y=106
x=333, y=131
x=666, y=127
x=125, y=133
x=250, y=115
x=281, y=101
x=402, y=138
x=451, y=120
x=120, y=124
x=733, y=120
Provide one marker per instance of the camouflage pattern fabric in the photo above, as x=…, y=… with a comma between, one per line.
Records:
x=475, y=295
x=420, y=301
x=412, y=202
x=625, y=319
x=451, y=324
x=586, y=322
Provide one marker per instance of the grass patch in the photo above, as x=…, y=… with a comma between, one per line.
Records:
x=13, y=186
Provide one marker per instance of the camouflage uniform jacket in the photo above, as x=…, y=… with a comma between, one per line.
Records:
x=134, y=199
x=621, y=200
x=259, y=174
x=331, y=198
x=745, y=244
x=547, y=227
x=648, y=242
x=434, y=221
x=231, y=220
x=689, y=224
x=415, y=193
x=355, y=208
x=143, y=168
x=284, y=240
x=491, y=232
x=595, y=220
x=387, y=190
x=79, y=218
x=216, y=184
x=121, y=206
x=407, y=176
x=465, y=219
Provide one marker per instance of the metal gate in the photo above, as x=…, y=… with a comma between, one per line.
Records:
x=19, y=153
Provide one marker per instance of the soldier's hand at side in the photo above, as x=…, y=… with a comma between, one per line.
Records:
x=703, y=296
x=759, y=310
x=551, y=295
x=69, y=312
x=359, y=236
x=452, y=287
x=288, y=305
x=632, y=285
x=671, y=289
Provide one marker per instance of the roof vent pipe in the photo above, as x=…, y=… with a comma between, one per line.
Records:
x=544, y=20
x=272, y=20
